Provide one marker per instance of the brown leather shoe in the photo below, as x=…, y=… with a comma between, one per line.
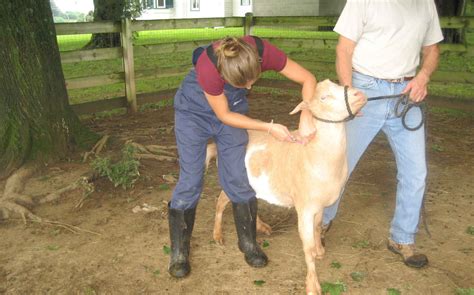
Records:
x=408, y=253
x=324, y=229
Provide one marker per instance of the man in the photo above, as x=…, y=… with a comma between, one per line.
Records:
x=379, y=52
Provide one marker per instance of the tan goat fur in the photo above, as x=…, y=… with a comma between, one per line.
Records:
x=308, y=177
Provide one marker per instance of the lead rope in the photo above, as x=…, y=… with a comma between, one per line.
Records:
x=403, y=106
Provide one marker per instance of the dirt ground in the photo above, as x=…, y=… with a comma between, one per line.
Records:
x=116, y=251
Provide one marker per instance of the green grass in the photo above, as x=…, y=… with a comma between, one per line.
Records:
x=448, y=61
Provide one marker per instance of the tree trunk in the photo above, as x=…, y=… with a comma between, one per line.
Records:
x=106, y=10
x=36, y=122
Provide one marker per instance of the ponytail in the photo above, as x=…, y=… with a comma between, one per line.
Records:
x=237, y=61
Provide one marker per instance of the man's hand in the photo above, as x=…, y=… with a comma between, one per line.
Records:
x=417, y=87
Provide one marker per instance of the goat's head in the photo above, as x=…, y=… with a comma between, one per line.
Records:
x=329, y=102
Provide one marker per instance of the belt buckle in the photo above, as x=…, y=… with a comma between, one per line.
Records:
x=399, y=80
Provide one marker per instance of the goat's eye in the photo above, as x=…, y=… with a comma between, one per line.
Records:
x=324, y=97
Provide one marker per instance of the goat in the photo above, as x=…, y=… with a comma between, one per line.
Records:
x=308, y=177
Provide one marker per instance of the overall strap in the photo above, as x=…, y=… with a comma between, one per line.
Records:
x=212, y=56
x=260, y=47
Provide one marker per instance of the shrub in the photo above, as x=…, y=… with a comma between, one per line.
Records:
x=122, y=173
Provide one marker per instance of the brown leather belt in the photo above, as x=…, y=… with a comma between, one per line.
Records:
x=398, y=80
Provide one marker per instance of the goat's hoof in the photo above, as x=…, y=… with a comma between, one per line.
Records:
x=218, y=239
x=264, y=229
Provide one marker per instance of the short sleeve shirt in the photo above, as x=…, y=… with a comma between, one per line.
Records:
x=389, y=34
x=273, y=59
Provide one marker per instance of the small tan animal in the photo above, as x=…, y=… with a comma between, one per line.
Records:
x=308, y=177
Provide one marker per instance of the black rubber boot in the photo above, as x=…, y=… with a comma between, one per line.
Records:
x=181, y=223
x=245, y=217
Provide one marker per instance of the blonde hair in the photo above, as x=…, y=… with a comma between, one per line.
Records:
x=237, y=61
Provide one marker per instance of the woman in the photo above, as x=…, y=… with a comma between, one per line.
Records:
x=212, y=103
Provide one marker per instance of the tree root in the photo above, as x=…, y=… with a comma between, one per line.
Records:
x=13, y=201
x=96, y=149
x=69, y=227
x=154, y=152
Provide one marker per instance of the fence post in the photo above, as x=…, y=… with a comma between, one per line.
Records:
x=128, y=65
x=248, y=23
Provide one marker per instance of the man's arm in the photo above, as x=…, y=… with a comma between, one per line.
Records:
x=418, y=86
x=344, y=50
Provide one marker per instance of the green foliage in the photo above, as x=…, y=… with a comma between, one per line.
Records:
x=166, y=249
x=336, y=288
x=132, y=8
x=336, y=264
x=393, y=291
x=124, y=172
x=163, y=187
x=361, y=244
x=437, y=148
x=470, y=230
x=465, y=291
x=259, y=282
x=52, y=247
x=265, y=244
x=357, y=276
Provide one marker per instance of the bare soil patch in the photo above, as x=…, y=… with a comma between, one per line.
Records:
x=122, y=252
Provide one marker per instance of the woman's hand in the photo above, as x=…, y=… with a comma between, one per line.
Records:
x=280, y=132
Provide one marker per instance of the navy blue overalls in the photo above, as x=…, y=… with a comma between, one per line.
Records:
x=195, y=124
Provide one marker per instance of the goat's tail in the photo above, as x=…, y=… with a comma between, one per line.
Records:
x=211, y=152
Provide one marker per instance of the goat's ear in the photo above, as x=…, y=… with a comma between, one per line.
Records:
x=301, y=106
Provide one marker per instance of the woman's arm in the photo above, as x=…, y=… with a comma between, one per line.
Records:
x=302, y=76
x=306, y=79
x=220, y=107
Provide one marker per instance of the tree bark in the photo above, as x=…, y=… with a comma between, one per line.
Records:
x=106, y=10
x=36, y=121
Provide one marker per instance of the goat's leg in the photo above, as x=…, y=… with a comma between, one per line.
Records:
x=306, y=224
x=262, y=227
x=222, y=201
x=319, y=248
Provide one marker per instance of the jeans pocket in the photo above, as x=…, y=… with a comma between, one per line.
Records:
x=362, y=81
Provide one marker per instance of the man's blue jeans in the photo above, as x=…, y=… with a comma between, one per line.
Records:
x=408, y=147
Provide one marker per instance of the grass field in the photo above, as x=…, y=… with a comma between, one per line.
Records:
x=448, y=62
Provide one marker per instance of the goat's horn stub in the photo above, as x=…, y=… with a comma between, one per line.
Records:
x=301, y=106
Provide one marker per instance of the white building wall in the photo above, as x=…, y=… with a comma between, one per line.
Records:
x=285, y=7
x=158, y=14
x=239, y=10
x=182, y=9
x=228, y=9
x=209, y=8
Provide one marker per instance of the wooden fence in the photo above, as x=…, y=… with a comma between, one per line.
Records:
x=128, y=52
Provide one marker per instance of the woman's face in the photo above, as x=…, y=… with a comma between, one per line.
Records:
x=248, y=85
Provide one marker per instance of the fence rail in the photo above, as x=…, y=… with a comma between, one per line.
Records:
x=128, y=51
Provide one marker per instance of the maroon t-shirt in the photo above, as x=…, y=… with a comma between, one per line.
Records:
x=273, y=59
